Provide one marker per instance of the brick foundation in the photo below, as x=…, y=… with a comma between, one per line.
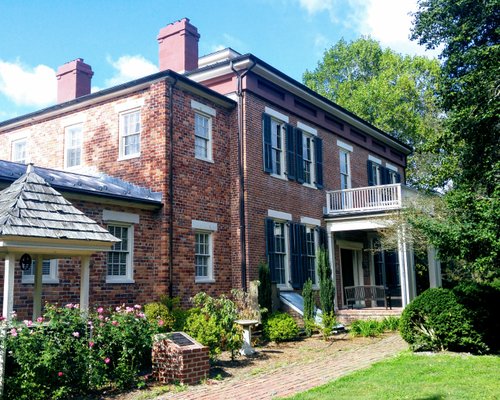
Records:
x=182, y=363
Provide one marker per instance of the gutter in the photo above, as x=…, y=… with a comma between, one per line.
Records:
x=243, y=245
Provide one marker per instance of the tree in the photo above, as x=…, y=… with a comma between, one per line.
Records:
x=326, y=288
x=467, y=31
x=395, y=93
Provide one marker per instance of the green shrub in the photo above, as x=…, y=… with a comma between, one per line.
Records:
x=212, y=324
x=66, y=354
x=158, y=313
x=308, y=296
x=366, y=328
x=435, y=320
x=326, y=288
x=280, y=327
x=390, y=324
x=482, y=301
x=265, y=291
x=328, y=321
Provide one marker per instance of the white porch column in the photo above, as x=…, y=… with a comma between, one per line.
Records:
x=434, y=268
x=404, y=254
x=8, y=286
x=331, y=257
x=84, y=283
x=37, y=290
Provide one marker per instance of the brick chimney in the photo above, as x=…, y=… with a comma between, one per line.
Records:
x=73, y=80
x=178, y=46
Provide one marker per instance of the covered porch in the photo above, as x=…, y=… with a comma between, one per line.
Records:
x=368, y=278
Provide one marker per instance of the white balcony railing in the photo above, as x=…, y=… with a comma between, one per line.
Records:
x=371, y=198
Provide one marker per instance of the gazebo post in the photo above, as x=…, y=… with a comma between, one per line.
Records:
x=37, y=290
x=84, y=283
x=8, y=287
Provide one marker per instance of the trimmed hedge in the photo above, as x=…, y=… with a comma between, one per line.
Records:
x=280, y=327
x=436, y=320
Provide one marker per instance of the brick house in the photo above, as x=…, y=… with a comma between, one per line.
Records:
x=241, y=164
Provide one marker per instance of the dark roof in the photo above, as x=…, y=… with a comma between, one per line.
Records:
x=30, y=207
x=137, y=82
x=102, y=185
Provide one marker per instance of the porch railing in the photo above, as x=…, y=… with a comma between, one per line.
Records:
x=371, y=198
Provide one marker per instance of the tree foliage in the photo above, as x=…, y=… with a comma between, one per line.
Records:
x=468, y=33
x=326, y=288
x=395, y=93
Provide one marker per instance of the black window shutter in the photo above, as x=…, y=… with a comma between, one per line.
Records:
x=267, y=143
x=290, y=152
x=398, y=177
x=371, y=179
x=294, y=256
x=318, y=159
x=270, y=251
x=386, y=175
x=303, y=255
x=300, y=158
x=323, y=238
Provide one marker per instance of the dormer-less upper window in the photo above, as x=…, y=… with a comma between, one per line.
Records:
x=130, y=134
x=18, y=151
x=73, y=146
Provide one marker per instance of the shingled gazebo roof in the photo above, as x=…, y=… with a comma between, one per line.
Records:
x=31, y=208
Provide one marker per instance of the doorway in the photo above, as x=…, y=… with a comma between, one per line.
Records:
x=351, y=269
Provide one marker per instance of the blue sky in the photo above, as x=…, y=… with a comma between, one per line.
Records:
x=118, y=37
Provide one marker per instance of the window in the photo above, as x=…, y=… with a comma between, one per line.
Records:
x=310, y=259
x=393, y=176
x=345, y=170
x=274, y=157
x=18, y=151
x=203, y=255
x=73, y=146
x=374, y=173
x=119, y=258
x=307, y=157
x=130, y=134
x=280, y=252
x=202, y=136
x=203, y=250
x=49, y=272
x=379, y=175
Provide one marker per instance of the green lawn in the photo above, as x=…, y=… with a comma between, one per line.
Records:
x=418, y=376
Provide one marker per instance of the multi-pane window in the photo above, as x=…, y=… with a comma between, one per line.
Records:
x=376, y=174
x=130, y=133
x=393, y=176
x=345, y=178
x=73, y=146
x=18, y=151
x=310, y=260
x=202, y=136
x=203, y=255
x=118, y=262
x=277, y=147
x=307, y=156
x=280, y=250
x=49, y=272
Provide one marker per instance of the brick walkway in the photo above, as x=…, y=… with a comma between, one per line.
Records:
x=295, y=378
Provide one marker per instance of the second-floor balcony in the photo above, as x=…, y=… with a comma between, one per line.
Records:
x=367, y=199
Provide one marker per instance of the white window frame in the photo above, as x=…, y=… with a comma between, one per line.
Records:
x=205, y=228
x=13, y=154
x=345, y=155
x=122, y=155
x=278, y=124
x=312, y=162
x=208, y=139
x=286, y=262
x=67, y=131
x=313, y=224
x=28, y=277
x=126, y=220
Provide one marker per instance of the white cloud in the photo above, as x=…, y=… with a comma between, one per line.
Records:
x=129, y=68
x=28, y=86
x=315, y=6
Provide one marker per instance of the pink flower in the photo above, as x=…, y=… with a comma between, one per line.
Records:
x=141, y=315
x=91, y=344
x=100, y=310
x=138, y=307
x=2, y=318
x=101, y=317
x=76, y=334
x=69, y=305
x=107, y=360
x=160, y=322
x=13, y=332
x=115, y=323
x=129, y=310
x=39, y=320
x=118, y=308
x=60, y=373
x=28, y=323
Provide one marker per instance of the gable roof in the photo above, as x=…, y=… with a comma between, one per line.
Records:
x=30, y=207
x=102, y=185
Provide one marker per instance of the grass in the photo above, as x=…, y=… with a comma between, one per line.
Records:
x=417, y=376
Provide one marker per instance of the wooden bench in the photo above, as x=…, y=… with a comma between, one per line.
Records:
x=363, y=293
